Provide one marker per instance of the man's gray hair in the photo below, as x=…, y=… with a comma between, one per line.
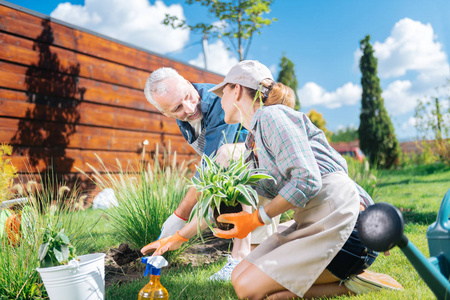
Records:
x=155, y=84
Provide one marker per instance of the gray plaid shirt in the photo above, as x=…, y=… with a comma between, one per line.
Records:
x=295, y=152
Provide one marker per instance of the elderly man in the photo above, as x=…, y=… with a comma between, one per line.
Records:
x=200, y=117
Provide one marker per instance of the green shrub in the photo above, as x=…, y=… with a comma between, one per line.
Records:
x=7, y=172
x=146, y=197
x=367, y=177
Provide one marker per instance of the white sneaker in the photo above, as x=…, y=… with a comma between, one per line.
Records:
x=224, y=274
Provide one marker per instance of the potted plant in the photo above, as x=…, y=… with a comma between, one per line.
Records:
x=225, y=189
x=65, y=275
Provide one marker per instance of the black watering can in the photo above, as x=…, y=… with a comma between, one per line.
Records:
x=380, y=228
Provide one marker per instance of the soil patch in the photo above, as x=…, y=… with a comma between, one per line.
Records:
x=123, y=264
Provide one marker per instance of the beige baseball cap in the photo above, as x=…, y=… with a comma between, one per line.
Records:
x=248, y=73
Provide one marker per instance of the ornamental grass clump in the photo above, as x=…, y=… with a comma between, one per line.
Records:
x=364, y=175
x=229, y=186
x=147, y=195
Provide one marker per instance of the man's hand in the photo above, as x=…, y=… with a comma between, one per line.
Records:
x=227, y=152
x=244, y=223
x=171, y=226
x=172, y=242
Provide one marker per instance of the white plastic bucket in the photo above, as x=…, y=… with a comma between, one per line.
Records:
x=78, y=280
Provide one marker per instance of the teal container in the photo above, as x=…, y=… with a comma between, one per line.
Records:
x=438, y=235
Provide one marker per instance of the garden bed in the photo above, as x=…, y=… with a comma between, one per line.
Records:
x=123, y=265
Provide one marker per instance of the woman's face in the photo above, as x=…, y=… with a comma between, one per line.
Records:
x=229, y=103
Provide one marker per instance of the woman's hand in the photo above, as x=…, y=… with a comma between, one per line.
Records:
x=244, y=223
x=161, y=246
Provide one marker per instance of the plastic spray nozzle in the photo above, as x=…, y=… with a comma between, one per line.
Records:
x=154, y=264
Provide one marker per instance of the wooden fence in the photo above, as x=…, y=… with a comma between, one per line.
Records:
x=67, y=94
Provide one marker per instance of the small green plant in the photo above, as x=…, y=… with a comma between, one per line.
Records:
x=229, y=185
x=56, y=248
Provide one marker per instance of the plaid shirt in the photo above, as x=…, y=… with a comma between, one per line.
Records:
x=296, y=153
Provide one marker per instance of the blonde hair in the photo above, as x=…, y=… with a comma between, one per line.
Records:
x=278, y=93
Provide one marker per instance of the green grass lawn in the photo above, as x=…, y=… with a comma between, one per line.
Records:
x=417, y=191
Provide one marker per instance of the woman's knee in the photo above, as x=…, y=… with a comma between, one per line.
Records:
x=243, y=287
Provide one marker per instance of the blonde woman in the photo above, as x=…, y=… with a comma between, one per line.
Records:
x=320, y=254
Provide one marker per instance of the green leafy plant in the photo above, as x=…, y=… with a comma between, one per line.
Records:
x=230, y=185
x=56, y=248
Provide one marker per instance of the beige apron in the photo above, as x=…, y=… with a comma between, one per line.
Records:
x=296, y=257
x=262, y=233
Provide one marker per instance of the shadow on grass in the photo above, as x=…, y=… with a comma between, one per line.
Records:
x=416, y=217
x=412, y=181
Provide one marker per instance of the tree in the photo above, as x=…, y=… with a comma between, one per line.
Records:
x=318, y=120
x=376, y=134
x=239, y=21
x=288, y=78
x=347, y=134
x=433, y=123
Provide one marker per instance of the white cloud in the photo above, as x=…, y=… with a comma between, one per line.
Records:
x=312, y=94
x=219, y=59
x=412, y=46
x=399, y=97
x=411, y=50
x=134, y=21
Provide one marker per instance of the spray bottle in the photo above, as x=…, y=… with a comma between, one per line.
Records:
x=154, y=289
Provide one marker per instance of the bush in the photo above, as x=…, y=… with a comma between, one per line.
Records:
x=7, y=172
x=364, y=175
x=146, y=196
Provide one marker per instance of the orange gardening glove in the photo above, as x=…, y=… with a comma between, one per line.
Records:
x=244, y=223
x=172, y=242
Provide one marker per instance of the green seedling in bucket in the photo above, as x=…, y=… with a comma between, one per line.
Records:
x=66, y=276
x=56, y=248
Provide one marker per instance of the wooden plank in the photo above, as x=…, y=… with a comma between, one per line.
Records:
x=48, y=57
x=37, y=81
x=70, y=160
x=88, y=137
x=90, y=114
x=35, y=28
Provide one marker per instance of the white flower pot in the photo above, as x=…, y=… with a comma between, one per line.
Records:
x=78, y=280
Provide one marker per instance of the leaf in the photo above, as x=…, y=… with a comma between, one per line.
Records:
x=64, y=238
x=257, y=177
x=58, y=255
x=43, y=251
x=65, y=252
x=246, y=194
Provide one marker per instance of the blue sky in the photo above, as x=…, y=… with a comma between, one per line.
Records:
x=411, y=41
